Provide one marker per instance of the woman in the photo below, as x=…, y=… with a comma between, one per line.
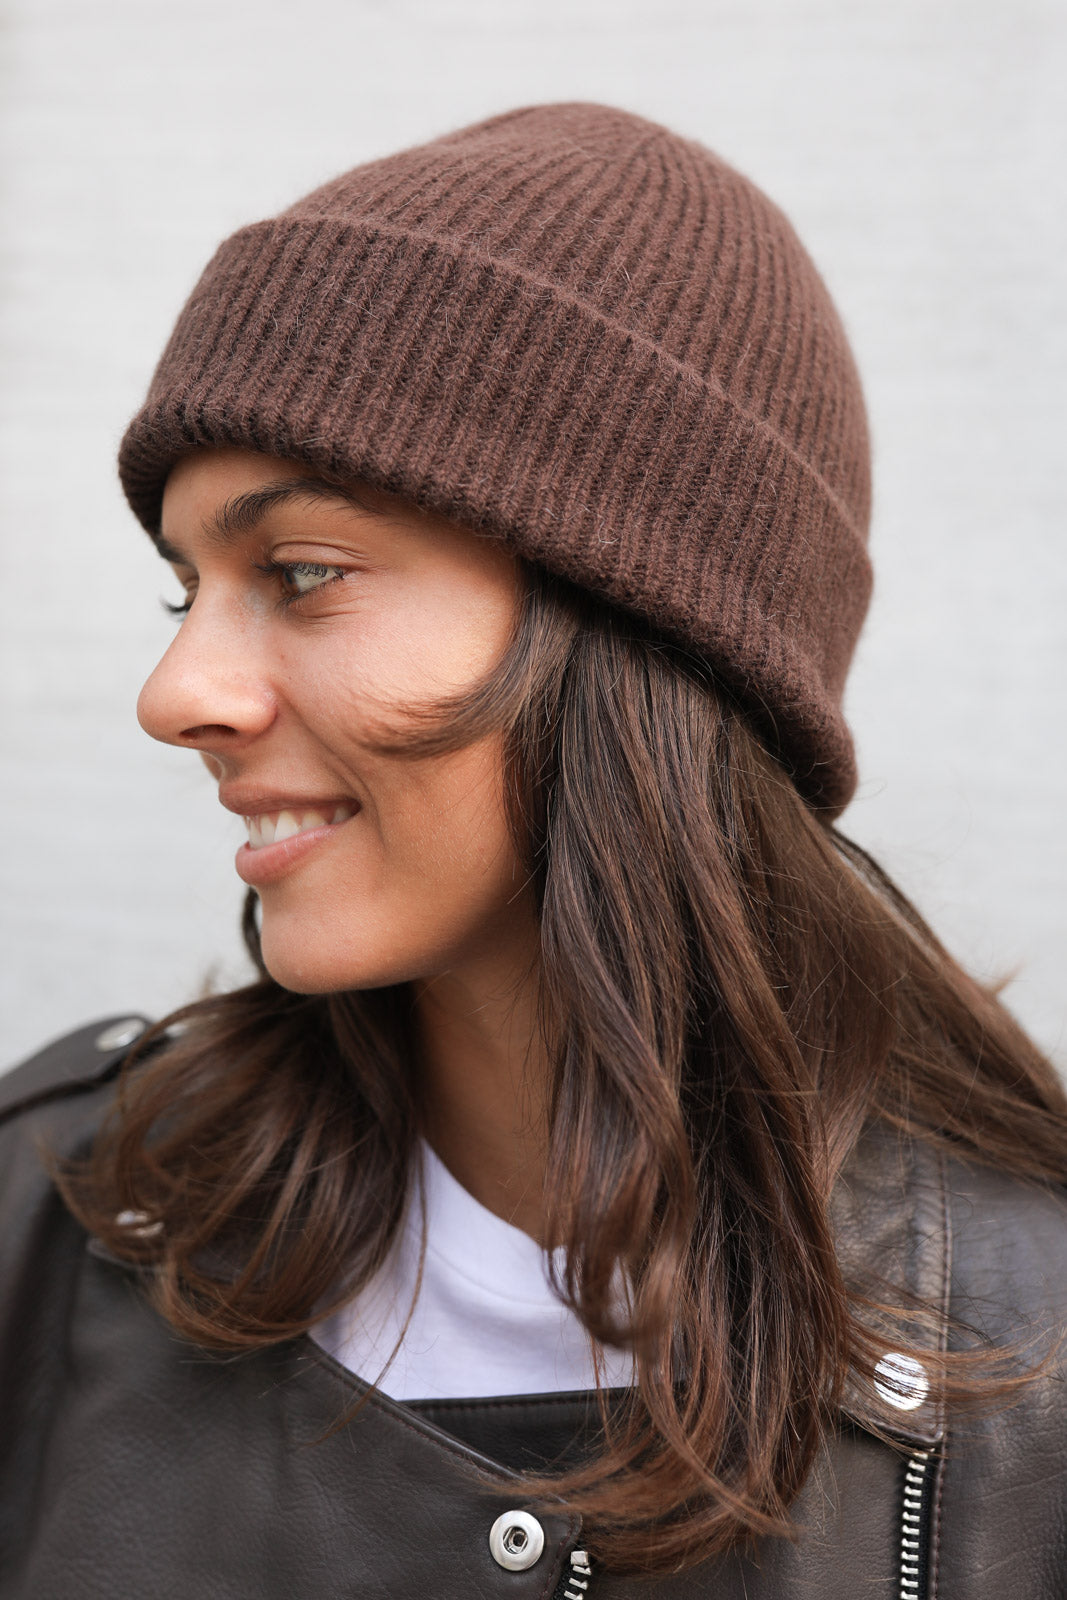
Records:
x=695, y=1222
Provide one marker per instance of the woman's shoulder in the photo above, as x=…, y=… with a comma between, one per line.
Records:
x=985, y=1243
x=924, y=1227
x=76, y=1062
x=51, y=1106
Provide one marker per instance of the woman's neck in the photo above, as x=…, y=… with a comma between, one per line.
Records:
x=484, y=1082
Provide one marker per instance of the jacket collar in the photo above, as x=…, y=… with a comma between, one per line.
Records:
x=890, y=1215
x=891, y=1220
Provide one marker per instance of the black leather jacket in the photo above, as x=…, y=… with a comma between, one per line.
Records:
x=137, y=1468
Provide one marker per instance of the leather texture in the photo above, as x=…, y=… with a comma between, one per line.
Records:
x=135, y=1467
x=525, y=1433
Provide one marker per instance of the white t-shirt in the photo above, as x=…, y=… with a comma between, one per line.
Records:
x=486, y=1321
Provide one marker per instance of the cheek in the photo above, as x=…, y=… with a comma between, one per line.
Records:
x=426, y=874
x=445, y=834
x=439, y=817
x=426, y=878
x=403, y=644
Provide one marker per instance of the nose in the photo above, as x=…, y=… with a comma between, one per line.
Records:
x=207, y=693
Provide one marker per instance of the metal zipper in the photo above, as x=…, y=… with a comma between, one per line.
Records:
x=914, y=1526
x=914, y=1521
x=574, y=1585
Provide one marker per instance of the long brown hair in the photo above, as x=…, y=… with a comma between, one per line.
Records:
x=731, y=991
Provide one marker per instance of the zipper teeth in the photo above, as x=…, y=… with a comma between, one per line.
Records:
x=911, y=1524
x=577, y=1583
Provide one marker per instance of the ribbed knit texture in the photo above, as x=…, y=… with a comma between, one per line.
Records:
x=572, y=329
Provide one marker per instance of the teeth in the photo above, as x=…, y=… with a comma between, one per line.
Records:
x=271, y=827
x=260, y=831
x=285, y=827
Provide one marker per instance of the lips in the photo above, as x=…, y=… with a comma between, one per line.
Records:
x=283, y=832
x=273, y=827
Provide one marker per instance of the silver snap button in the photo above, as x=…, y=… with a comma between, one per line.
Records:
x=120, y=1033
x=901, y=1381
x=139, y=1223
x=516, y=1540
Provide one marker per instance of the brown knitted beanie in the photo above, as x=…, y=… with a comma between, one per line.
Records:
x=572, y=329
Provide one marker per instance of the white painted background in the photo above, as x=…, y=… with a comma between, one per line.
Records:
x=918, y=145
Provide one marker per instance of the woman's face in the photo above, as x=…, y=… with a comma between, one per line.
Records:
x=309, y=619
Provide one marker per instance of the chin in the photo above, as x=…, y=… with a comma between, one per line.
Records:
x=304, y=976
x=309, y=965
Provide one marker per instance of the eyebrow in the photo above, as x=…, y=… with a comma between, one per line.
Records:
x=244, y=512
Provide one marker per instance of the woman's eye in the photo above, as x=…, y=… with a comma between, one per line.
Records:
x=295, y=579
x=304, y=576
x=301, y=577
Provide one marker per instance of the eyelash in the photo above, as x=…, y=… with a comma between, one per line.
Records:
x=311, y=569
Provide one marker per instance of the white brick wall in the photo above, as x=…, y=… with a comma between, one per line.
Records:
x=917, y=144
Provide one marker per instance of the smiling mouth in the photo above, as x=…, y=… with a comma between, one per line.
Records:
x=271, y=827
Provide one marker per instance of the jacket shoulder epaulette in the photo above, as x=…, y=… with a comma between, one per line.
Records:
x=77, y=1062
